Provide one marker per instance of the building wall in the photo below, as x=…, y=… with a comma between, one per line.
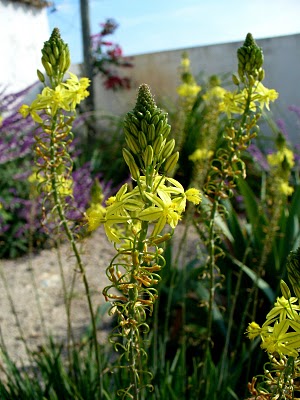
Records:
x=160, y=71
x=23, y=32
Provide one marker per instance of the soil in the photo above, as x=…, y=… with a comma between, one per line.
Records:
x=34, y=283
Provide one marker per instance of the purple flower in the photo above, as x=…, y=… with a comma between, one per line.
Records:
x=258, y=156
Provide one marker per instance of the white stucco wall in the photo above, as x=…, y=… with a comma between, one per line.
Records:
x=23, y=32
x=160, y=71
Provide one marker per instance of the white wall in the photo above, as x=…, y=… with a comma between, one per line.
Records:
x=23, y=32
x=160, y=71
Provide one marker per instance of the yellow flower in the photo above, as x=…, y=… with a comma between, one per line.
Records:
x=277, y=158
x=253, y=330
x=64, y=96
x=95, y=216
x=64, y=186
x=233, y=103
x=216, y=93
x=264, y=95
x=110, y=200
x=188, y=90
x=164, y=210
x=285, y=188
x=283, y=309
x=193, y=195
x=201, y=154
x=282, y=341
x=185, y=62
x=76, y=89
x=25, y=110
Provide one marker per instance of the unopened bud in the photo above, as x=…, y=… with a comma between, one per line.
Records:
x=134, y=171
x=132, y=143
x=235, y=79
x=171, y=162
x=128, y=157
x=261, y=74
x=286, y=293
x=142, y=140
x=148, y=156
x=40, y=75
x=168, y=148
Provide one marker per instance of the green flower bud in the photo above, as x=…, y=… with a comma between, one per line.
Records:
x=151, y=132
x=48, y=68
x=168, y=148
x=144, y=126
x=286, y=293
x=128, y=157
x=62, y=61
x=293, y=269
x=142, y=140
x=171, y=162
x=235, y=79
x=52, y=60
x=134, y=130
x=159, y=127
x=261, y=74
x=148, y=116
x=56, y=52
x=148, y=156
x=132, y=143
x=40, y=76
x=154, y=119
x=134, y=171
x=166, y=130
x=157, y=145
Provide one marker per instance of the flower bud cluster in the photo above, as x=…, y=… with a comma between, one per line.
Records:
x=146, y=133
x=55, y=56
x=250, y=61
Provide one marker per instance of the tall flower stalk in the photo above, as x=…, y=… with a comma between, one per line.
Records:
x=243, y=108
x=54, y=111
x=136, y=222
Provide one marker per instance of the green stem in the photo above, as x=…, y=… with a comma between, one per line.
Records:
x=60, y=210
x=67, y=299
x=211, y=267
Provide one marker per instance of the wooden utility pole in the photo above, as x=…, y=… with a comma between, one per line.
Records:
x=87, y=51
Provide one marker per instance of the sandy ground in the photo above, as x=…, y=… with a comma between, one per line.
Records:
x=35, y=280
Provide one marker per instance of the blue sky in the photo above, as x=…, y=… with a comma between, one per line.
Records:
x=147, y=26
